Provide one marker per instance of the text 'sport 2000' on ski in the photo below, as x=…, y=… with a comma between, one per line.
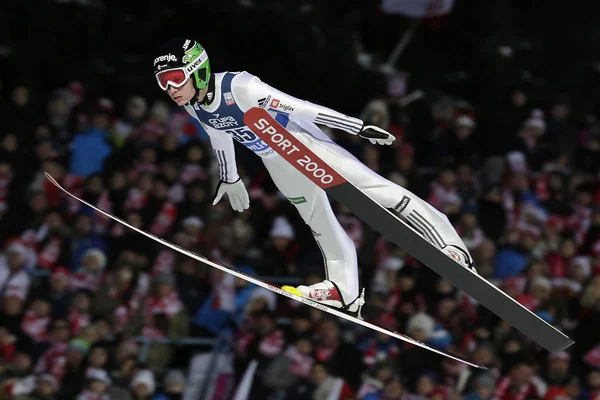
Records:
x=401, y=234
x=259, y=282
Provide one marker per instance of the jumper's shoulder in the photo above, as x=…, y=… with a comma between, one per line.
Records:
x=245, y=89
x=243, y=79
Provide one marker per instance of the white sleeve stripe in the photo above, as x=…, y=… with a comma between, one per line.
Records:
x=337, y=124
x=224, y=160
x=219, y=163
x=336, y=118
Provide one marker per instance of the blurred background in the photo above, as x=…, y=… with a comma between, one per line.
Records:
x=495, y=106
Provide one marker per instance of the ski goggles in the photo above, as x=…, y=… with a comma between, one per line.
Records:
x=177, y=77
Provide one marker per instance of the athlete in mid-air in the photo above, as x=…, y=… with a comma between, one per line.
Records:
x=219, y=100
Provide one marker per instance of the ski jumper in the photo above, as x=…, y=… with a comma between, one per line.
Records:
x=222, y=118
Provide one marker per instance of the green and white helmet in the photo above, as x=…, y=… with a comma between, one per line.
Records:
x=180, y=59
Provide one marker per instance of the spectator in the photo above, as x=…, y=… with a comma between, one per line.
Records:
x=89, y=275
x=393, y=390
x=174, y=386
x=520, y=184
x=57, y=346
x=79, y=312
x=72, y=369
x=118, y=296
x=518, y=383
x=98, y=358
x=143, y=385
x=337, y=355
x=135, y=110
x=295, y=363
x=36, y=320
x=84, y=238
x=90, y=148
x=46, y=387
x=125, y=373
x=383, y=373
x=262, y=341
x=280, y=252
x=377, y=347
x=328, y=386
x=192, y=284
x=14, y=281
x=58, y=291
x=97, y=386
x=20, y=381
x=483, y=388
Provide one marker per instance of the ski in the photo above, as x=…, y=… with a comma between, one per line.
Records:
x=398, y=232
x=267, y=285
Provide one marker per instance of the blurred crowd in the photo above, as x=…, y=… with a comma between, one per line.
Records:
x=518, y=175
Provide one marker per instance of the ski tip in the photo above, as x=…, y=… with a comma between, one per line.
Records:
x=292, y=290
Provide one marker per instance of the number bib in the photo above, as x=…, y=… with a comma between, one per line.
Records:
x=229, y=119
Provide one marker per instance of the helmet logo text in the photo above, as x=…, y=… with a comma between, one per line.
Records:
x=166, y=57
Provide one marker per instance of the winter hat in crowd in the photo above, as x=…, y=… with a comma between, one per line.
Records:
x=144, y=377
x=138, y=102
x=561, y=355
x=98, y=255
x=556, y=393
x=397, y=84
x=536, y=120
x=517, y=161
x=543, y=282
x=380, y=108
x=164, y=277
x=421, y=321
x=174, y=377
x=267, y=295
x=492, y=172
x=466, y=121
x=282, y=228
x=193, y=221
x=50, y=379
x=79, y=345
x=61, y=272
x=18, y=248
x=546, y=316
x=393, y=264
x=486, y=380
x=160, y=111
x=387, y=321
x=583, y=263
x=98, y=374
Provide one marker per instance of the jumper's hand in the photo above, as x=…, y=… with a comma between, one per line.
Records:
x=236, y=191
x=376, y=135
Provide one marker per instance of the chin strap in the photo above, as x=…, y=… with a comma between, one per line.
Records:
x=209, y=95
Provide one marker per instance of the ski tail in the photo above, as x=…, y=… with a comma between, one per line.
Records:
x=266, y=285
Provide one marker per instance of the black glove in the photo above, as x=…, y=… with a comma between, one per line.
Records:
x=376, y=135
